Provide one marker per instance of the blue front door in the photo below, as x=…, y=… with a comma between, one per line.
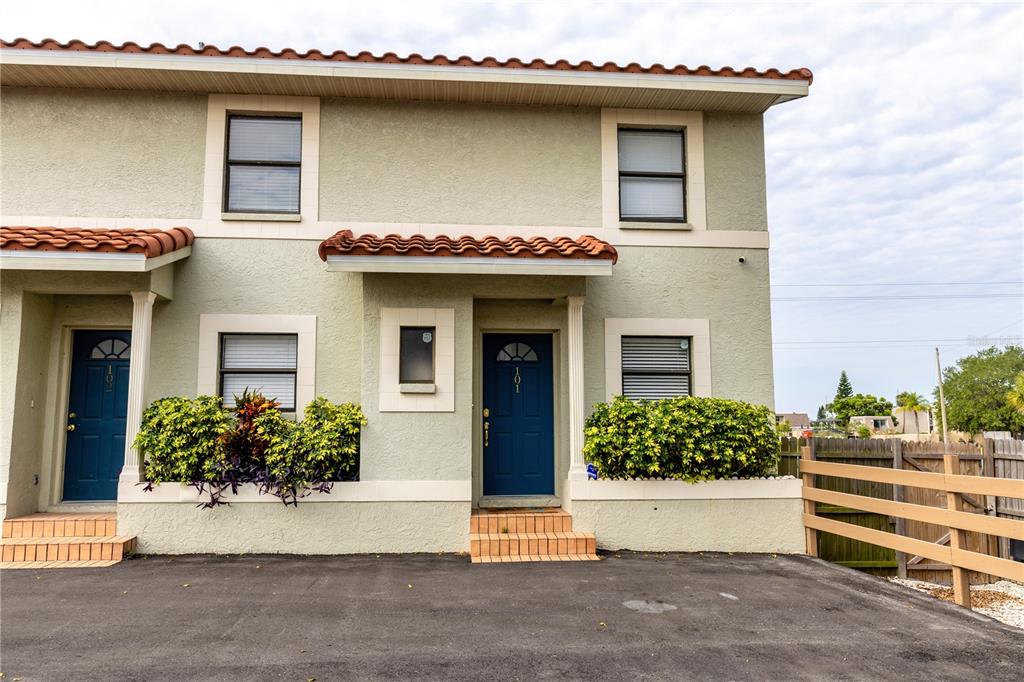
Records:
x=519, y=450
x=97, y=411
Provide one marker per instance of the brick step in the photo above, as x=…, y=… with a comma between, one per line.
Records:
x=549, y=520
x=522, y=558
x=48, y=525
x=67, y=548
x=512, y=544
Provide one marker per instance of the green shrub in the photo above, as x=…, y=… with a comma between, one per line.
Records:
x=688, y=439
x=183, y=438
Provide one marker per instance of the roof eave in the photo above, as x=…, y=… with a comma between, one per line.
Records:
x=31, y=66
x=86, y=261
x=461, y=265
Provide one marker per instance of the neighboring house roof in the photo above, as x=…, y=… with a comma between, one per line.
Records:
x=797, y=420
x=148, y=242
x=206, y=69
x=96, y=249
x=801, y=74
x=345, y=243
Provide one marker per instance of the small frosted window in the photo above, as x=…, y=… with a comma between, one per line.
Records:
x=416, y=355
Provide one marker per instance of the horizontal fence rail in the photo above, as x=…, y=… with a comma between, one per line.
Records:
x=950, y=482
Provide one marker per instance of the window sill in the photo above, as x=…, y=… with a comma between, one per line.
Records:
x=417, y=388
x=640, y=225
x=264, y=217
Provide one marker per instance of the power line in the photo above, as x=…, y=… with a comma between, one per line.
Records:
x=899, y=284
x=979, y=340
x=900, y=297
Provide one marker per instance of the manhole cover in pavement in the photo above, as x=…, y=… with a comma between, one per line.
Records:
x=649, y=606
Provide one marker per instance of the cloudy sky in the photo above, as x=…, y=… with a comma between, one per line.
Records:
x=899, y=182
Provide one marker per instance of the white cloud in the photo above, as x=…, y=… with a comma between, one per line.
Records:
x=904, y=164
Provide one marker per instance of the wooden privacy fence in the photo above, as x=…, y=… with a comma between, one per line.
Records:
x=951, y=483
x=990, y=458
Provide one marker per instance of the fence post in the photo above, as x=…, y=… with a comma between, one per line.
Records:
x=810, y=534
x=957, y=537
x=897, y=496
x=988, y=468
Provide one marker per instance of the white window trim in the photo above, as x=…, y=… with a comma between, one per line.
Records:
x=699, y=330
x=391, y=396
x=304, y=326
x=218, y=108
x=693, y=124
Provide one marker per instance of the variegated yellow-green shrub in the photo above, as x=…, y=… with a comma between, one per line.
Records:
x=689, y=439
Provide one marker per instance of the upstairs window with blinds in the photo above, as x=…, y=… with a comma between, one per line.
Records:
x=264, y=363
x=651, y=176
x=656, y=367
x=264, y=156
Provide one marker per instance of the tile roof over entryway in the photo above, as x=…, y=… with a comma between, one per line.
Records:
x=148, y=242
x=345, y=243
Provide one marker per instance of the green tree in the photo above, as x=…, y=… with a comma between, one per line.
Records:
x=977, y=390
x=860, y=405
x=822, y=415
x=913, y=402
x=845, y=388
x=1015, y=396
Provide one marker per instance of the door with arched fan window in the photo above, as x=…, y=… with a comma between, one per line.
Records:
x=97, y=414
x=518, y=418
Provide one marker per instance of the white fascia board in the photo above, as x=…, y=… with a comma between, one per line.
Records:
x=458, y=265
x=87, y=262
x=479, y=74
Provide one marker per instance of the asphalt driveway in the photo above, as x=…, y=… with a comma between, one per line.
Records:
x=631, y=616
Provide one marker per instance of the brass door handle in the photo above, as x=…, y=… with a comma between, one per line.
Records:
x=487, y=434
x=71, y=427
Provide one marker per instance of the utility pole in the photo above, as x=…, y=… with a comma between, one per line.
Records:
x=942, y=402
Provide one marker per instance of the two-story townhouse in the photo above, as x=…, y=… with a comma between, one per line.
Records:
x=476, y=251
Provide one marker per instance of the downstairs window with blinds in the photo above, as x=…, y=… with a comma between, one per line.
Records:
x=656, y=367
x=265, y=363
x=264, y=157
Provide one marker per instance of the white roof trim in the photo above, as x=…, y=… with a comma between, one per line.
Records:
x=460, y=265
x=82, y=261
x=785, y=88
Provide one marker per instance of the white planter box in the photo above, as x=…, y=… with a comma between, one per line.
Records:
x=747, y=489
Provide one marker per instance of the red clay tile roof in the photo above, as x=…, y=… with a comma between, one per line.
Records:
x=149, y=242
x=344, y=243
x=392, y=58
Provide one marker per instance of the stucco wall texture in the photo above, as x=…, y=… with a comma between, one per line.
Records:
x=102, y=154
x=690, y=283
x=313, y=528
x=746, y=525
x=455, y=163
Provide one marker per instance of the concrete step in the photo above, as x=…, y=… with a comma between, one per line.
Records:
x=67, y=548
x=57, y=525
x=542, y=520
x=556, y=543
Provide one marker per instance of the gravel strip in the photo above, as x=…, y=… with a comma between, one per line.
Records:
x=1003, y=600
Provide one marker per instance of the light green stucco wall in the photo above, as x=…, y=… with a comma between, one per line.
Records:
x=455, y=163
x=105, y=154
x=310, y=528
x=26, y=323
x=690, y=283
x=728, y=525
x=266, y=277
x=734, y=174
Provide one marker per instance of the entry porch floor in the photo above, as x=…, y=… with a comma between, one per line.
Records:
x=630, y=616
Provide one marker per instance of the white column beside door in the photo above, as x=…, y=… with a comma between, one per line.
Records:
x=138, y=368
x=577, y=467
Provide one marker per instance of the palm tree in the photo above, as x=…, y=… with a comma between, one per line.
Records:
x=916, y=403
x=1015, y=396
